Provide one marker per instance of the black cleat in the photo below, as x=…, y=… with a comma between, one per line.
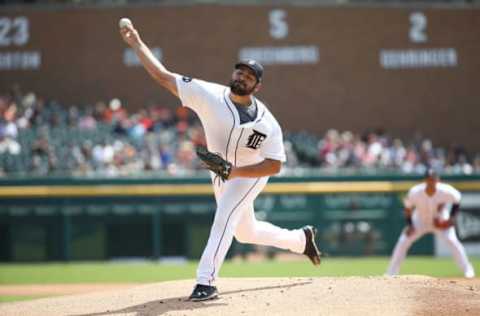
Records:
x=203, y=293
x=311, y=249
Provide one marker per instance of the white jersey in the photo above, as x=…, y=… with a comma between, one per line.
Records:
x=241, y=144
x=426, y=207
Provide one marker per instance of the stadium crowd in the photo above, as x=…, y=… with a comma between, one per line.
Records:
x=39, y=137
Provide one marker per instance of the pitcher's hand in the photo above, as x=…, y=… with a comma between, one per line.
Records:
x=130, y=35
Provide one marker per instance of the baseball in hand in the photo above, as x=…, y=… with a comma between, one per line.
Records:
x=124, y=22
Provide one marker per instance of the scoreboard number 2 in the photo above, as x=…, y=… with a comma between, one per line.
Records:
x=418, y=27
x=14, y=31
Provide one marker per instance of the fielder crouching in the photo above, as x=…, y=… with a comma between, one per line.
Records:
x=425, y=212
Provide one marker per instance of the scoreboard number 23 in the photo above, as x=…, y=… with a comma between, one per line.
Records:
x=14, y=31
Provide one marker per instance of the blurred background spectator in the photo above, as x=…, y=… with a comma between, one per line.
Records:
x=39, y=137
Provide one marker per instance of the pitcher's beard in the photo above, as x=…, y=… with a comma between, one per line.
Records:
x=239, y=89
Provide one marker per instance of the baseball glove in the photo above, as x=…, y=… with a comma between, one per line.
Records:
x=214, y=162
x=442, y=223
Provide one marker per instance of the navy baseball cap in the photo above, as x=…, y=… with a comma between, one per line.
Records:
x=430, y=173
x=253, y=65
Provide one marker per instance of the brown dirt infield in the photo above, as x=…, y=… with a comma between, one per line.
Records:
x=60, y=289
x=404, y=295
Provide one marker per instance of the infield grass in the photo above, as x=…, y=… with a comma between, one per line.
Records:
x=149, y=271
x=17, y=298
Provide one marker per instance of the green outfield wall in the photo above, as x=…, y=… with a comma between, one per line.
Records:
x=101, y=219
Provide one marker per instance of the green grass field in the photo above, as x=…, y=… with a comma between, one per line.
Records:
x=145, y=272
x=112, y=272
x=17, y=298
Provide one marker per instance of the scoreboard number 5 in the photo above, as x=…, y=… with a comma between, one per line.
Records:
x=14, y=31
x=418, y=27
x=278, y=25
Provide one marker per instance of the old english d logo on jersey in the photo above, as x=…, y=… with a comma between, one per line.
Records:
x=255, y=140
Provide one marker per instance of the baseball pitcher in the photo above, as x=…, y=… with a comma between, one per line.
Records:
x=244, y=148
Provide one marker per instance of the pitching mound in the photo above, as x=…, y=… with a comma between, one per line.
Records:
x=406, y=295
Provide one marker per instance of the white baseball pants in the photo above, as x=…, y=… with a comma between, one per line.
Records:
x=235, y=216
x=448, y=235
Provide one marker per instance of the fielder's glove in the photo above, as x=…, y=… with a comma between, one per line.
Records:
x=214, y=162
x=443, y=223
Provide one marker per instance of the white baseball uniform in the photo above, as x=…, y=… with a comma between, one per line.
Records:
x=241, y=144
x=425, y=209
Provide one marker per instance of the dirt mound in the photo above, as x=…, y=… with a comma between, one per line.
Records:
x=405, y=295
x=61, y=289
